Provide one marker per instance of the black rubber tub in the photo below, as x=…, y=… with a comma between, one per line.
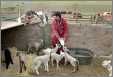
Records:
x=84, y=56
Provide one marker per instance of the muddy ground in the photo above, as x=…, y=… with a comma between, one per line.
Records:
x=92, y=69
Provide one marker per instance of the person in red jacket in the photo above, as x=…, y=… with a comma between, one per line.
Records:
x=59, y=29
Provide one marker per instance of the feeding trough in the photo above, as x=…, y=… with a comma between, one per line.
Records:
x=84, y=56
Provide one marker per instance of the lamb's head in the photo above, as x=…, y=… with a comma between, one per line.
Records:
x=105, y=63
x=65, y=49
x=54, y=50
x=62, y=54
x=47, y=51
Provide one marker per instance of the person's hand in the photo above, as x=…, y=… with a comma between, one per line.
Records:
x=56, y=34
x=61, y=40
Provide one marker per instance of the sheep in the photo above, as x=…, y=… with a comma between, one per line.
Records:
x=73, y=61
x=35, y=62
x=23, y=60
x=44, y=59
x=57, y=58
x=107, y=64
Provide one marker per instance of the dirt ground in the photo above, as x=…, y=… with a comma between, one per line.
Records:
x=92, y=69
x=83, y=70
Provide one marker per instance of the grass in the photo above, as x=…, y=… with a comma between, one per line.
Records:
x=87, y=7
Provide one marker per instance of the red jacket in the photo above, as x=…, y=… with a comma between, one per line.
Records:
x=58, y=30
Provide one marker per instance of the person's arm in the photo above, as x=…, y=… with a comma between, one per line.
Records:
x=53, y=29
x=35, y=19
x=65, y=30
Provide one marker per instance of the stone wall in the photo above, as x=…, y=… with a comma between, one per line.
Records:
x=20, y=36
x=97, y=38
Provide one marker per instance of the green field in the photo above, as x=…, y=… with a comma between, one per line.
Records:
x=86, y=7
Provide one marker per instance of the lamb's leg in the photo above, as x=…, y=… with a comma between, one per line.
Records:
x=74, y=69
x=20, y=71
x=24, y=66
x=46, y=67
x=58, y=65
x=28, y=49
x=110, y=71
x=65, y=62
x=52, y=62
x=37, y=67
x=37, y=72
x=73, y=64
x=77, y=65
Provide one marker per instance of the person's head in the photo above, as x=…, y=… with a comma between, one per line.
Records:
x=30, y=14
x=57, y=15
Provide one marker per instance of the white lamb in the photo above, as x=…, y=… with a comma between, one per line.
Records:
x=44, y=59
x=73, y=61
x=25, y=60
x=107, y=64
x=57, y=58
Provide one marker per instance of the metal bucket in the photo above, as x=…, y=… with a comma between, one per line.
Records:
x=84, y=56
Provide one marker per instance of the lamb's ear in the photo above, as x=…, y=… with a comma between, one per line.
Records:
x=109, y=61
x=66, y=49
x=56, y=45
